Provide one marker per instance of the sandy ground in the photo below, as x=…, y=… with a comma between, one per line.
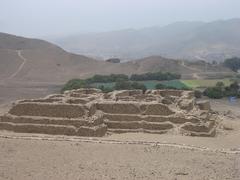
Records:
x=11, y=91
x=56, y=160
x=125, y=156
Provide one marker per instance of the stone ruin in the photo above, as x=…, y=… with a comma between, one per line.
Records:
x=89, y=112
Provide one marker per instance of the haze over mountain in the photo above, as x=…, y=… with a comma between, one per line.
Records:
x=34, y=60
x=196, y=40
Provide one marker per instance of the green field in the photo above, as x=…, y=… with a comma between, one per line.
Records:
x=196, y=83
x=203, y=83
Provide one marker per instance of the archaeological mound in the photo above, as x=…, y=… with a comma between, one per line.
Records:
x=90, y=112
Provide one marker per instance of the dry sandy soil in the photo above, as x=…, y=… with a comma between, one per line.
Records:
x=12, y=91
x=120, y=156
x=125, y=156
x=39, y=159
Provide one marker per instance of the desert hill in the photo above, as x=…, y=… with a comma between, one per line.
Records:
x=33, y=68
x=210, y=41
x=33, y=60
x=8, y=41
x=37, y=60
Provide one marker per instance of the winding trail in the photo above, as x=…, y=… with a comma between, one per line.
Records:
x=19, y=52
x=191, y=68
x=195, y=75
x=112, y=141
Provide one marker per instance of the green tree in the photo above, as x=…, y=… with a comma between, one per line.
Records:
x=74, y=84
x=233, y=63
x=214, y=92
x=220, y=84
x=136, y=85
x=105, y=89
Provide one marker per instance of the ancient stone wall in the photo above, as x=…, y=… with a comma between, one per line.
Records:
x=48, y=110
x=89, y=112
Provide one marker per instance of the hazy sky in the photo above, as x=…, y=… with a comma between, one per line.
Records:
x=38, y=18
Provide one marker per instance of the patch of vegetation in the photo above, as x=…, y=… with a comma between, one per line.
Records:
x=110, y=82
x=128, y=85
x=233, y=63
x=214, y=93
x=160, y=86
x=232, y=90
x=94, y=82
x=158, y=76
x=204, y=83
x=105, y=89
x=220, y=90
x=74, y=84
x=106, y=85
x=175, y=84
x=149, y=84
x=172, y=85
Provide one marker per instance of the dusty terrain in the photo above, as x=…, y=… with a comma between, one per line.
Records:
x=117, y=156
x=56, y=160
x=127, y=155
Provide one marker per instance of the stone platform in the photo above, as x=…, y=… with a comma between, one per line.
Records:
x=89, y=112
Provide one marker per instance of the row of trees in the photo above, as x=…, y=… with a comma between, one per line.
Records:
x=107, y=78
x=121, y=80
x=119, y=85
x=159, y=76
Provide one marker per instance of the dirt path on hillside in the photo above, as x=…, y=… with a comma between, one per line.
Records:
x=194, y=75
x=19, y=52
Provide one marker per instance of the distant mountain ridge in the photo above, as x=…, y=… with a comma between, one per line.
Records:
x=32, y=60
x=210, y=41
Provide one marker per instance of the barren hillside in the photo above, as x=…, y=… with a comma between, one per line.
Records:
x=32, y=68
x=36, y=60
